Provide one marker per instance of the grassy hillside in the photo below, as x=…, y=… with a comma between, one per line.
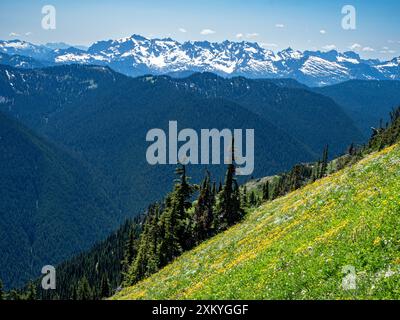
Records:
x=297, y=246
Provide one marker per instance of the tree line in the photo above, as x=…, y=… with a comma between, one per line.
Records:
x=189, y=215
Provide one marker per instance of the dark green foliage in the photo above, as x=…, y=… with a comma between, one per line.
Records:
x=203, y=217
x=324, y=165
x=177, y=226
x=31, y=292
x=265, y=191
x=50, y=206
x=84, y=291
x=383, y=137
x=253, y=199
x=365, y=101
x=228, y=207
x=105, y=287
x=147, y=260
x=2, y=296
x=15, y=295
x=102, y=261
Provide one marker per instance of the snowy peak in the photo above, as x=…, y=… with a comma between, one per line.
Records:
x=137, y=55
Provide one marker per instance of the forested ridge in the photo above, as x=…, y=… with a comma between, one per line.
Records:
x=145, y=245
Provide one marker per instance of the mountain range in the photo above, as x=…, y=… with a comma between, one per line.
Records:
x=137, y=55
x=88, y=124
x=72, y=142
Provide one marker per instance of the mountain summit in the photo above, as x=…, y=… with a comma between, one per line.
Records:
x=137, y=55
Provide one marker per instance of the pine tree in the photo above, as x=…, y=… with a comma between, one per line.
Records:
x=203, y=214
x=2, y=295
x=147, y=258
x=175, y=221
x=105, y=291
x=352, y=150
x=265, y=193
x=15, y=295
x=228, y=207
x=129, y=253
x=244, y=197
x=324, y=165
x=31, y=292
x=84, y=291
x=252, y=199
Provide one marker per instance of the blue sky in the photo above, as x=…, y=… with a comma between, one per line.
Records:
x=300, y=24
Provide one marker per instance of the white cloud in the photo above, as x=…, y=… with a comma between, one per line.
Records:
x=28, y=33
x=269, y=45
x=368, y=49
x=322, y=31
x=355, y=46
x=14, y=34
x=392, y=51
x=247, y=35
x=205, y=32
x=183, y=30
x=252, y=35
x=279, y=25
x=385, y=48
x=329, y=47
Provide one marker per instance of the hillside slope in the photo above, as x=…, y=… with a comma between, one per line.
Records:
x=50, y=208
x=297, y=246
x=366, y=102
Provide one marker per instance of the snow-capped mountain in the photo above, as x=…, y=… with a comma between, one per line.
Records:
x=137, y=55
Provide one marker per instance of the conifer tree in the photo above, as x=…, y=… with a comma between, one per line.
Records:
x=175, y=220
x=14, y=295
x=84, y=291
x=324, y=165
x=203, y=214
x=252, y=199
x=31, y=291
x=228, y=208
x=129, y=253
x=147, y=258
x=265, y=193
x=244, y=197
x=105, y=291
x=2, y=295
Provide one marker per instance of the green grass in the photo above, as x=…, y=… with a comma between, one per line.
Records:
x=297, y=246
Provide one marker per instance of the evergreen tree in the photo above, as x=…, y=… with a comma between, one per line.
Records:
x=252, y=199
x=129, y=253
x=265, y=191
x=228, y=207
x=15, y=295
x=175, y=221
x=244, y=197
x=147, y=259
x=203, y=214
x=2, y=295
x=324, y=165
x=31, y=291
x=105, y=287
x=84, y=291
